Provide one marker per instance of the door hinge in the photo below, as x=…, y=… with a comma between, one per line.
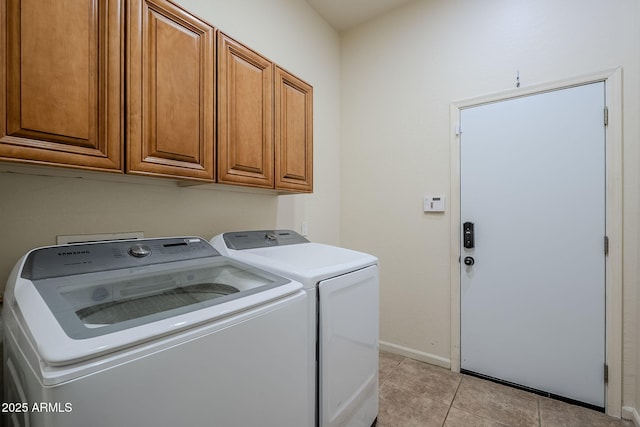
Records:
x=606, y=116
x=606, y=245
x=606, y=373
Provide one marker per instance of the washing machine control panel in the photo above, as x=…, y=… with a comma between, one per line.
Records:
x=68, y=260
x=262, y=239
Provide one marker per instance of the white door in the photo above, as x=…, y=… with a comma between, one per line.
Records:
x=533, y=185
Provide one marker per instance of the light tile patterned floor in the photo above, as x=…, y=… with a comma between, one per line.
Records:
x=416, y=394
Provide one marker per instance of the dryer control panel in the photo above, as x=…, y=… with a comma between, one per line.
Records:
x=262, y=239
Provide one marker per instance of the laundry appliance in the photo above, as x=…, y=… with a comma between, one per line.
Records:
x=152, y=332
x=342, y=318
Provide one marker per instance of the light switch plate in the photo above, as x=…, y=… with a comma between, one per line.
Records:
x=434, y=203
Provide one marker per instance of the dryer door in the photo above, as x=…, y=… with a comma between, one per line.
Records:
x=348, y=347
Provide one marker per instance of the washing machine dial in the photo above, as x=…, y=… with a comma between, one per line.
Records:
x=139, y=250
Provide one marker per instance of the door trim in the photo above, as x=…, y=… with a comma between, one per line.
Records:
x=613, y=262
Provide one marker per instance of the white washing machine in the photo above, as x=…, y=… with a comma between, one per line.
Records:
x=154, y=332
x=343, y=313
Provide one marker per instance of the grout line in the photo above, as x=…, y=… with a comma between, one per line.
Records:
x=452, y=399
x=539, y=417
x=393, y=368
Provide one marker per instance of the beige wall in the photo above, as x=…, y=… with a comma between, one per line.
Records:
x=34, y=209
x=400, y=73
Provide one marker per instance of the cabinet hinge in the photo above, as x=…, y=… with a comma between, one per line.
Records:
x=606, y=245
x=606, y=373
x=606, y=116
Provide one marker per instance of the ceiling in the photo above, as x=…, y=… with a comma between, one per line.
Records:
x=344, y=14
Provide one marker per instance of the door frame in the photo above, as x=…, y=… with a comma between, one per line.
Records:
x=613, y=261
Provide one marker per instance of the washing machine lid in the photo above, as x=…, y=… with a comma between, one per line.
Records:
x=290, y=254
x=79, y=301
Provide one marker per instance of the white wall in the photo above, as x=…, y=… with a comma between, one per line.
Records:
x=34, y=209
x=400, y=73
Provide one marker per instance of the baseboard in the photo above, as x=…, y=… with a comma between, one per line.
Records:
x=629, y=413
x=415, y=354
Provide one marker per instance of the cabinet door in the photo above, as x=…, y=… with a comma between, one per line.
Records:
x=245, y=116
x=294, y=133
x=171, y=84
x=61, y=72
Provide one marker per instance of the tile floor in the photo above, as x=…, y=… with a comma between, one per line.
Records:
x=416, y=394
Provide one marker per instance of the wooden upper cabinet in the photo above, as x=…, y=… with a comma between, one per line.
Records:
x=294, y=133
x=245, y=115
x=62, y=96
x=171, y=92
x=61, y=72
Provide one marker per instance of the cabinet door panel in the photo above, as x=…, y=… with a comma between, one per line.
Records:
x=63, y=71
x=179, y=99
x=245, y=140
x=171, y=80
x=53, y=84
x=294, y=133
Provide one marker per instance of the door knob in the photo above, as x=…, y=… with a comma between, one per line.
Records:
x=468, y=260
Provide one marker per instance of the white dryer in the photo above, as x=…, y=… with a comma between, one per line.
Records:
x=154, y=332
x=343, y=313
